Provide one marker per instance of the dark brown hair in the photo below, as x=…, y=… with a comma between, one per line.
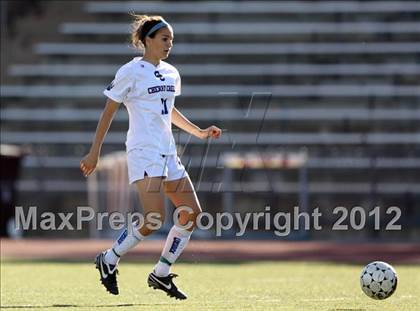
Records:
x=140, y=27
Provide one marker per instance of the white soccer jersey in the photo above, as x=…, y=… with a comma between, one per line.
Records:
x=148, y=92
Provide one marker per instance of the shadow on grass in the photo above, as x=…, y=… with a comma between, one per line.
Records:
x=82, y=306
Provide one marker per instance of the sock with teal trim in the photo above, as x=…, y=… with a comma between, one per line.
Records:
x=126, y=241
x=176, y=242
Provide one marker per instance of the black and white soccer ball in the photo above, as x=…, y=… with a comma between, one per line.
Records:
x=378, y=280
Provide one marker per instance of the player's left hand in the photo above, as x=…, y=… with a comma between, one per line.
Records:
x=212, y=131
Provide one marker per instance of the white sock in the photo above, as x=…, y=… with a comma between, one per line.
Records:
x=123, y=244
x=176, y=242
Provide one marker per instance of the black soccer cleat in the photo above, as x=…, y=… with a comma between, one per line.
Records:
x=108, y=274
x=166, y=284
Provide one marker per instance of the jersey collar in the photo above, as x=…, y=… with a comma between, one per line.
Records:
x=148, y=65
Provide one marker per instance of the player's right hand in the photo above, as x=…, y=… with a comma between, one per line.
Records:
x=88, y=164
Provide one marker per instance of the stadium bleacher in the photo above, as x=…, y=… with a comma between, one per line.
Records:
x=342, y=79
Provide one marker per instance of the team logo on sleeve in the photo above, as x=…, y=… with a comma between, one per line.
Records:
x=110, y=86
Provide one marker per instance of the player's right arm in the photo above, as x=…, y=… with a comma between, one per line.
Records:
x=89, y=162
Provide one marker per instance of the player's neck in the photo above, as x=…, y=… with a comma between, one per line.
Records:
x=150, y=59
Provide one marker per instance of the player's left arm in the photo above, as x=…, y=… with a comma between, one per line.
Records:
x=183, y=123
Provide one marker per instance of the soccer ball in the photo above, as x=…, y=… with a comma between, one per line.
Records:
x=378, y=280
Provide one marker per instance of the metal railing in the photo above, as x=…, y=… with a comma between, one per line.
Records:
x=217, y=69
x=254, y=7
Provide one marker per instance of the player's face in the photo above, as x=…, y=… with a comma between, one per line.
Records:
x=161, y=44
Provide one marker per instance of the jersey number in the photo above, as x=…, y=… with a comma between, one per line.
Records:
x=165, y=108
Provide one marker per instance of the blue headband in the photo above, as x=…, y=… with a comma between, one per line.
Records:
x=157, y=27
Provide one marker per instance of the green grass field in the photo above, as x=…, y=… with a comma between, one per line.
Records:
x=242, y=286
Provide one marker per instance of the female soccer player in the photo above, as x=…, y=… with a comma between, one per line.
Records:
x=147, y=86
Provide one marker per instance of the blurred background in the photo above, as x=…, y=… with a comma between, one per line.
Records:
x=319, y=101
